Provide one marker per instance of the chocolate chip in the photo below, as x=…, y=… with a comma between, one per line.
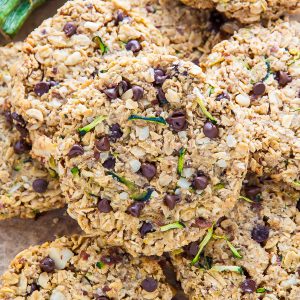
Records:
x=191, y=249
x=112, y=93
x=260, y=233
x=223, y=95
x=298, y=205
x=47, y=264
x=104, y=206
x=200, y=182
x=102, y=144
x=146, y=228
x=18, y=118
x=33, y=287
x=248, y=286
x=101, y=298
x=109, y=163
x=22, y=130
x=259, y=88
x=115, y=256
x=202, y=223
x=159, y=76
x=171, y=200
x=148, y=170
x=149, y=284
x=210, y=130
x=252, y=191
x=161, y=97
x=119, y=17
x=75, y=151
x=123, y=87
x=135, y=209
x=41, y=88
x=8, y=119
x=40, y=185
x=217, y=20
x=115, y=132
x=283, y=78
x=69, y=29
x=177, y=121
x=138, y=92
x=133, y=46
x=21, y=147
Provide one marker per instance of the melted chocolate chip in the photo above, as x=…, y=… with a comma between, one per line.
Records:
x=133, y=46
x=200, y=182
x=123, y=87
x=248, y=286
x=47, y=264
x=104, y=206
x=69, y=29
x=161, y=97
x=177, y=121
x=135, y=209
x=138, y=92
x=75, y=151
x=40, y=185
x=260, y=233
x=41, y=88
x=18, y=118
x=159, y=76
x=102, y=144
x=191, y=249
x=21, y=147
x=171, y=200
x=149, y=284
x=210, y=130
x=22, y=130
x=148, y=170
x=109, y=163
x=283, y=78
x=146, y=228
x=112, y=93
x=259, y=88
x=115, y=132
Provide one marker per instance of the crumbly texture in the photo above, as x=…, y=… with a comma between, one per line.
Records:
x=273, y=264
x=83, y=269
x=257, y=56
x=18, y=171
x=221, y=160
x=247, y=11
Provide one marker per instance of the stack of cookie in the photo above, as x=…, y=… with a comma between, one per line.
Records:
x=173, y=135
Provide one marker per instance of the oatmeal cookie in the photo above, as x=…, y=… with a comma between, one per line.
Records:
x=265, y=260
x=247, y=11
x=26, y=187
x=139, y=155
x=259, y=70
x=82, y=268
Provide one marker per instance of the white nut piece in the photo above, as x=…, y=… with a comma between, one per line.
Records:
x=60, y=257
x=73, y=59
x=35, y=114
x=135, y=165
x=57, y=295
x=243, y=100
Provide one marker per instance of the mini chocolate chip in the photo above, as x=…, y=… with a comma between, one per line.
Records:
x=298, y=205
x=252, y=191
x=104, y=206
x=259, y=88
x=149, y=284
x=159, y=76
x=119, y=17
x=75, y=151
x=200, y=182
x=115, y=132
x=202, y=223
x=161, y=97
x=148, y=170
x=283, y=78
x=109, y=163
x=138, y=92
x=177, y=121
x=33, y=287
x=210, y=130
x=248, y=286
x=69, y=29
x=112, y=93
x=133, y=46
x=146, y=228
x=41, y=88
x=47, y=264
x=171, y=200
x=123, y=87
x=21, y=147
x=102, y=144
x=191, y=249
x=40, y=185
x=18, y=118
x=260, y=233
x=23, y=130
x=223, y=95
x=135, y=209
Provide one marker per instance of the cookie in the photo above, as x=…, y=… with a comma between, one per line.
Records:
x=139, y=155
x=82, y=268
x=264, y=235
x=26, y=187
x=259, y=70
x=247, y=11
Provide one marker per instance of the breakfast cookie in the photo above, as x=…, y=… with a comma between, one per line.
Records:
x=248, y=11
x=141, y=152
x=252, y=253
x=26, y=187
x=82, y=268
x=259, y=70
